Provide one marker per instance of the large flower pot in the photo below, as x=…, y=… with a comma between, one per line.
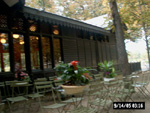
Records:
x=70, y=90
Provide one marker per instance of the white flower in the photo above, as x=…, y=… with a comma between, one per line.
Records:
x=76, y=71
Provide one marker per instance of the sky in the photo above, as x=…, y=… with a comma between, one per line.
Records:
x=136, y=47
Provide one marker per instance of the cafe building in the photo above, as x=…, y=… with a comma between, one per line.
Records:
x=36, y=41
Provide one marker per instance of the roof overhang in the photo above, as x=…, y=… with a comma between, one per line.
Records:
x=31, y=13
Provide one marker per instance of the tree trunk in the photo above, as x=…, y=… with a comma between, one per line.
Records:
x=122, y=55
x=145, y=31
x=146, y=41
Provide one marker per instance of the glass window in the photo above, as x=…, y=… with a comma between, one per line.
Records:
x=46, y=52
x=4, y=53
x=57, y=51
x=34, y=50
x=19, y=53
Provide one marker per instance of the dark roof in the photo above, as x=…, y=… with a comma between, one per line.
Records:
x=60, y=20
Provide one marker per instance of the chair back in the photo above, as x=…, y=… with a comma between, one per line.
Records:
x=52, y=78
x=40, y=79
x=43, y=87
x=19, y=88
x=98, y=76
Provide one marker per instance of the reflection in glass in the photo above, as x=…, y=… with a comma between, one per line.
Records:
x=19, y=53
x=57, y=52
x=46, y=52
x=4, y=53
x=34, y=50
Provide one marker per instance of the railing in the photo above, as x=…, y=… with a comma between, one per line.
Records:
x=136, y=66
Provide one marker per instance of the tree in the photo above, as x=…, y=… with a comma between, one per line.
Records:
x=81, y=9
x=122, y=55
x=46, y=5
x=136, y=14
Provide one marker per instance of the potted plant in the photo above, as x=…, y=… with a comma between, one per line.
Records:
x=108, y=68
x=74, y=77
x=20, y=75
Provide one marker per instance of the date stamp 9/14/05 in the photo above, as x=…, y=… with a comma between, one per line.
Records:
x=128, y=105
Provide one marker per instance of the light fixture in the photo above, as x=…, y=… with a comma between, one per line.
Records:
x=37, y=38
x=15, y=36
x=55, y=31
x=3, y=40
x=32, y=28
x=21, y=42
x=2, y=35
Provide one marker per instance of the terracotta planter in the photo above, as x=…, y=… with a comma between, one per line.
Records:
x=70, y=90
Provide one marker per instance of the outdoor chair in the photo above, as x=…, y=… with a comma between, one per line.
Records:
x=123, y=90
x=8, y=88
x=97, y=99
x=19, y=91
x=42, y=88
x=34, y=96
x=98, y=76
x=141, y=86
x=41, y=91
x=100, y=96
x=71, y=99
x=86, y=108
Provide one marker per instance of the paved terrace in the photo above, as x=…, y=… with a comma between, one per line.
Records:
x=137, y=97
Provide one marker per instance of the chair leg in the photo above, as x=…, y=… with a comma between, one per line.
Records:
x=9, y=105
x=40, y=105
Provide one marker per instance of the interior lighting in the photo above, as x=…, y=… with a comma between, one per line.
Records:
x=21, y=42
x=55, y=31
x=3, y=40
x=32, y=28
x=15, y=36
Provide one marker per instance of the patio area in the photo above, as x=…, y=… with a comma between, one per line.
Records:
x=32, y=105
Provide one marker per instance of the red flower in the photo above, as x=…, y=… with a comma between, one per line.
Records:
x=87, y=76
x=74, y=64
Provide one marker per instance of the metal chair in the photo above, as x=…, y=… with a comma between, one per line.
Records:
x=17, y=94
x=42, y=88
x=141, y=86
x=71, y=99
x=97, y=97
x=123, y=91
x=100, y=96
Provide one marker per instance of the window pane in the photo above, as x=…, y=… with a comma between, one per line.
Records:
x=34, y=50
x=46, y=52
x=19, y=53
x=4, y=53
x=57, y=52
